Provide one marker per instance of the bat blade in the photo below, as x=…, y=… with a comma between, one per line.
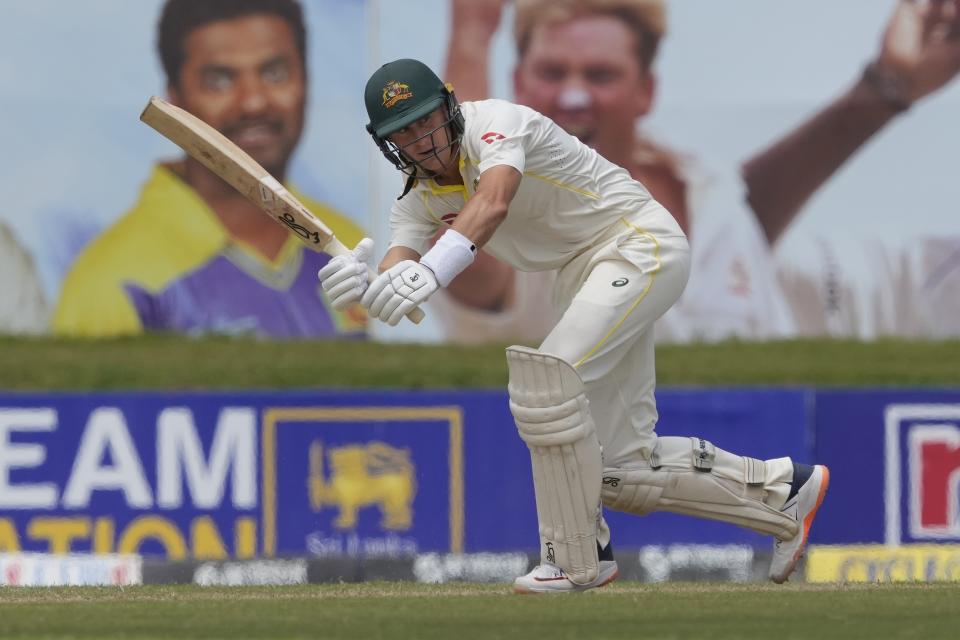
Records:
x=235, y=167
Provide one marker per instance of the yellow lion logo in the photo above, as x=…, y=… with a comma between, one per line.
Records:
x=394, y=92
x=374, y=474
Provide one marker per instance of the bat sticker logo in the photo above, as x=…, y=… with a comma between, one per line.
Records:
x=270, y=189
x=266, y=196
x=551, y=553
x=300, y=230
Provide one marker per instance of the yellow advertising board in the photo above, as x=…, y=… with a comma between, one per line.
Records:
x=882, y=563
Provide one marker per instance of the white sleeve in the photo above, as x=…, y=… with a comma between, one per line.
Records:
x=938, y=289
x=866, y=286
x=411, y=227
x=733, y=289
x=497, y=134
x=23, y=306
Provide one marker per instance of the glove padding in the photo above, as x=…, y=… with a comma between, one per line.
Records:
x=398, y=290
x=344, y=279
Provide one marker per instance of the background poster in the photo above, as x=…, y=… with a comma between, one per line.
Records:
x=731, y=79
x=878, y=238
x=75, y=79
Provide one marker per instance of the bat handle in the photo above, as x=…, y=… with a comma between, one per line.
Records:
x=337, y=248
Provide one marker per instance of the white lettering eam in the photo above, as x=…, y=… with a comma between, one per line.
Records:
x=180, y=456
x=106, y=432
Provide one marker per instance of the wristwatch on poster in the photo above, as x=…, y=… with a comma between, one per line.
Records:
x=889, y=85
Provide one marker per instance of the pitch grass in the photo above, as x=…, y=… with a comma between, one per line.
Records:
x=461, y=612
x=174, y=363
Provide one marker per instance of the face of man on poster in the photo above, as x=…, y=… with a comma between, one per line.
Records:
x=246, y=78
x=588, y=77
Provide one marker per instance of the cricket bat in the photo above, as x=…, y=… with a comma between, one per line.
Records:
x=216, y=152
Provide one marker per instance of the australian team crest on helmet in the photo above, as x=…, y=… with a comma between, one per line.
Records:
x=394, y=92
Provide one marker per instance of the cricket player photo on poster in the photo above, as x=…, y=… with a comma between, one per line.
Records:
x=146, y=240
x=23, y=307
x=769, y=163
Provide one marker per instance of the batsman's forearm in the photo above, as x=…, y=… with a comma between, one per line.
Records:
x=782, y=178
x=480, y=218
x=395, y=255
x=484, y=212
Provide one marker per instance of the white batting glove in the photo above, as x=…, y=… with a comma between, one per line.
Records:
x=344, y=279
x=398, y=290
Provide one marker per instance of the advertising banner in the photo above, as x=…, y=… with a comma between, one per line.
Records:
x=776, y=165
x=894, y=458
x=881, y=563
x=99, y=207
x=324, y=474
x=47, y=570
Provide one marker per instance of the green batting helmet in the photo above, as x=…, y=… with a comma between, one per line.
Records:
x=400, y=93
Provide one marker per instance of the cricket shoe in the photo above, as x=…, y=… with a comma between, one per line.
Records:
x=809, y=486
x=549, y=578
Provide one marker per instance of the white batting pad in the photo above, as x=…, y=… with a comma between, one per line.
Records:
x=691, y=476
x=553, y=417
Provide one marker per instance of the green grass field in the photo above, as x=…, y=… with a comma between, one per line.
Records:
x=166, y=362
x=459, y=612
x=705, y=611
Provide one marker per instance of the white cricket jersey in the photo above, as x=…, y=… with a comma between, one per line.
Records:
x=866, y=287
x=733, y=289
x=568, y=199
x=23, y=307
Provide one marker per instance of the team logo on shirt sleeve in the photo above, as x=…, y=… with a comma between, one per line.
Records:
x=492, y=136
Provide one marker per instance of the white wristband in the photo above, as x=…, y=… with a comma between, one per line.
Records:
x=452, y=253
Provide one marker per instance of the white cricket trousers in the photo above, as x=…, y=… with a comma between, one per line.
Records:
x=612, y=294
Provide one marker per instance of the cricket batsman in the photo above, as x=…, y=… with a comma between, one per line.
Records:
x=507, y=179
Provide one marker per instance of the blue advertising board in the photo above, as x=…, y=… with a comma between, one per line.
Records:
x=761, y=423
x=894, y=457
x=320, y=473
